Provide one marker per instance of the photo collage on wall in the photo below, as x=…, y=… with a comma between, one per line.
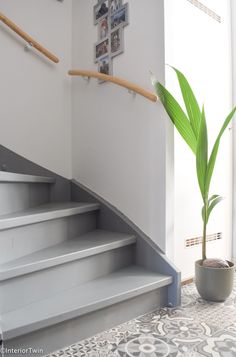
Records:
x=111, y=16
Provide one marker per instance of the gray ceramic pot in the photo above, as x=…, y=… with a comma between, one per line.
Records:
x=214, y=284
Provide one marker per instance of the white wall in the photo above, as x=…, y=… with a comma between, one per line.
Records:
x=119, y=141
x=35, y=107
x=200, y=47
x=233, y=42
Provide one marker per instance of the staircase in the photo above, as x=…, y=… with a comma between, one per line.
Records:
x=62, y=277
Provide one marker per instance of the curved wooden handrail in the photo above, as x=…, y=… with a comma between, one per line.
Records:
x=28, y=38
x=120, y=82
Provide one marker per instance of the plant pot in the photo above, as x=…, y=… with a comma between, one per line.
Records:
x=214, y=284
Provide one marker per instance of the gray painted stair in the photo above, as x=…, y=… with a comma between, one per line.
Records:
x=44, y=213
x=68, y=264
x=21, y=178
x=25, y=232
x=83, y=299
x=89, y=244
x=19, y=192
x=61, y=277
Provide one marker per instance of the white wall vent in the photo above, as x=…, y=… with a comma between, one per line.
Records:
x=191, y=242
x=205, y=9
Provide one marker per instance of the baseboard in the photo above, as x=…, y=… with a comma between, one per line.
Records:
x=186, y=281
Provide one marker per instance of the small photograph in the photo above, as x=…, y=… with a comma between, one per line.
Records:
x=120, y=17
x=100, y=10
x=117, y=42
x=103, y=28
x=115, y=5
x=101, y=49
x=104, y=65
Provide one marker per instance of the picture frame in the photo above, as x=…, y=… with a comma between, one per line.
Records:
x=100, y=10
x=104, y=66
x=103, y=28
x=120, y=18
x=101, y=49
x=117, y=42
x=115, y=5
x=111, y=16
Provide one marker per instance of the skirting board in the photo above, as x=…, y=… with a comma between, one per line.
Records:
x=186, y=281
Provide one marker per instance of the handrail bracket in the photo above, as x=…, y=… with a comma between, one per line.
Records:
x=30, y=41
x=132, y=92
x=86, y=78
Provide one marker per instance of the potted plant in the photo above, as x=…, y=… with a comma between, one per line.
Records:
x=213, y=277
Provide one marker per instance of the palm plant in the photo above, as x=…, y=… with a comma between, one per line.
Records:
x=193, y=128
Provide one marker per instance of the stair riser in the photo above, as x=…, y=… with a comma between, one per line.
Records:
x=18, y=242
x=45, y=283
x=19, y=196
x=58, y=336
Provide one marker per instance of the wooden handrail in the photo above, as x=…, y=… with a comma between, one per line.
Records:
x=28, y=38
x=120, y=82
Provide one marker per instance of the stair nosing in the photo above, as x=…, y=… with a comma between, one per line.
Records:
x=66, y=258
x=86, y=309
x=12, y=177
x=8, y=222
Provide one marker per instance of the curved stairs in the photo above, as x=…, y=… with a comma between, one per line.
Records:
x=61, y=277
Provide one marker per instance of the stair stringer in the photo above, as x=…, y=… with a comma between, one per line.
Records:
x=148, y=254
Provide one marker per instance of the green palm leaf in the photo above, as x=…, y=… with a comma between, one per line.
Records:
x=213, y=203
x=191, y=104
x=214, y=152
x=212, y=198
x=202, y=154
x=177, y=116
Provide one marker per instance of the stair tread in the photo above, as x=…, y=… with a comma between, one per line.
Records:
x=45, y=212
x=88, y=244
x=97, y=294
x=22, y=178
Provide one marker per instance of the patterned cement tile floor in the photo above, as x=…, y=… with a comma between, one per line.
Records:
x=198, y=328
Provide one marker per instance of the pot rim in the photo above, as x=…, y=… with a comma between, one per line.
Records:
x=197, y=262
